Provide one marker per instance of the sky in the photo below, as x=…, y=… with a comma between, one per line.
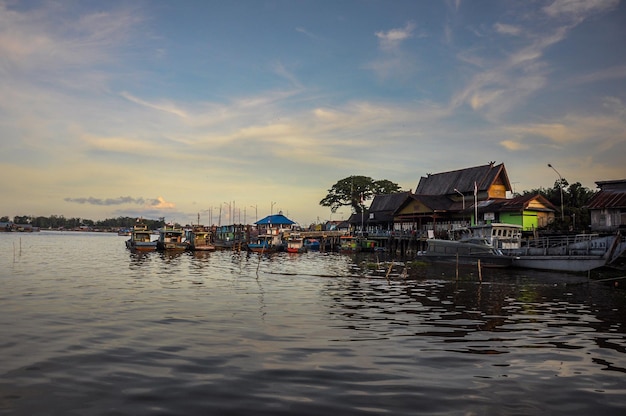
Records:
x=244, y=108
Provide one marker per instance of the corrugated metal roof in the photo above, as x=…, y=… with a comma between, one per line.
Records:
x=607, y=199
x=389, y=202
x=463, y=180
x=521, y=203
x=434, y=202
x=383, y=206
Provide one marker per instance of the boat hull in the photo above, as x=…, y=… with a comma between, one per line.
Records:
x=141, y=245
x=451, y=251
x=560, y=263
x=171, y=246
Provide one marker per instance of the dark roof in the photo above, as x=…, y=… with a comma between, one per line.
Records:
x=608, y=199
x=277, y=219
x=521, y=203
x=383, y=206
x=463, y=180
x=435, y=202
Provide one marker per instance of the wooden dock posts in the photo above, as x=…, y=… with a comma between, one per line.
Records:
x=329, y=240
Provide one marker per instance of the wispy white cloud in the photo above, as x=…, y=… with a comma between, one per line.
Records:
x=166, y=107
x=506, y=29
x=578, y=10
x=93, y=119
x=391, y=39
x=393, y=61
x=112, y=201
x=605, y=74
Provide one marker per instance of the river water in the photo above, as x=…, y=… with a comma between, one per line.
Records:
x=88, y=328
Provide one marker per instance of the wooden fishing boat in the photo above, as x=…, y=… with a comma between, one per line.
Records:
x=295, y=243
x=171, y=239
x=199, y=238
x=140, y=239
x=266, y=243
x=230, y=237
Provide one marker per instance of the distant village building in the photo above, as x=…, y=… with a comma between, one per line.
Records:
x=608, y=206
x=450, y=200
x=529, y=211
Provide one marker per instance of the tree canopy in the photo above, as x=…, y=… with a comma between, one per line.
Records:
x=575, y=198
x=353, y=191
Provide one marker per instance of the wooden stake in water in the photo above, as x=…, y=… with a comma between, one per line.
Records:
x=457, y=266
x=389, y=270
x=480, y=272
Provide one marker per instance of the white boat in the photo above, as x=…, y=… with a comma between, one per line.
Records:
x=578, y=253
x=568, y=253
x=465, y=252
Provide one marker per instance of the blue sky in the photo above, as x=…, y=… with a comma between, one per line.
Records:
x=174, y=109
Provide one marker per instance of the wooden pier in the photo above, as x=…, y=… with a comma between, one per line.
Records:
x=329, y=240
x=397, y=244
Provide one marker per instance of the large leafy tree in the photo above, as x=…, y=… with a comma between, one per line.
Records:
x=353, y=191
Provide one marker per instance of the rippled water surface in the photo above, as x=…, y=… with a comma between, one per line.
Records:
x=87, y=328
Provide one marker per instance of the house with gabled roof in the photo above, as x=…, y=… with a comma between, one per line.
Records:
x=448, y=200
x=380, y=214
x=274, y=224
x=607, y=207
x=528, y=211
x=488, y=181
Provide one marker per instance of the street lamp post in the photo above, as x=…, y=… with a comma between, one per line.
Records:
x=462, y=196
x=560, y=187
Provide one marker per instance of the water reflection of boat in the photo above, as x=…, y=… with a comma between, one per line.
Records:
x=465, y=252
x=352, y=243
x=171, y=239
x=140, y=239
x=199, y=239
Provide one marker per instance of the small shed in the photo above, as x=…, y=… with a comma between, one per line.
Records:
x=608, y=206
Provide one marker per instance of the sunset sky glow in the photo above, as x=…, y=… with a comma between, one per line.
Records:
x=174, y=109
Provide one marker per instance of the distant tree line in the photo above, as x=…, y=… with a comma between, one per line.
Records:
x=60, y=222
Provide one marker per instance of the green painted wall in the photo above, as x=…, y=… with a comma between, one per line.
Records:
x=528, y=220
